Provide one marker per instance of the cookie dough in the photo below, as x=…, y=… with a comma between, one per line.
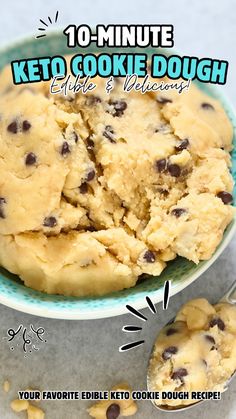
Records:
x=97, y=189
x=195, y=353
x=6, y=386
x=33, y=412
x=113, y=409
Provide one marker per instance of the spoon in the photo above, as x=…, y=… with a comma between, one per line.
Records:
x=230, y=298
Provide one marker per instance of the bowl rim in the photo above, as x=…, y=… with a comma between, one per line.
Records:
x=140, y=302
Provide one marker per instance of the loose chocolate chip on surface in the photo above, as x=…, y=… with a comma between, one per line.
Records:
x=119, y=107
x=210, y=339
x=177, y=212
x=207, y=106
x=149, y=256
x=161, y=165
x=13, y=127
x=30, y=159
x=93, y=100
x=171, y=331
x=113, y=411
x=109, y=133
x=217, y=322
x=182, y=145
x=83, y=188
x=174, y=170
x=26, y=125
x=2, y=201
x=179, y=374
x=65, y=149
x=168, y=352
x=90, y=175
x=163, y=100
x=50, y=222
x=225, y=197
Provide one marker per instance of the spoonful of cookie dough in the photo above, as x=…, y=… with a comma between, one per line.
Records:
x=196, y=352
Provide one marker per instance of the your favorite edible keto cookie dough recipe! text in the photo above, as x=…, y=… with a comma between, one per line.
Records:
x=97, y=189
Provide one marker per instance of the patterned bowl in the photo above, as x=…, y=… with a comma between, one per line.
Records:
x=181, y=272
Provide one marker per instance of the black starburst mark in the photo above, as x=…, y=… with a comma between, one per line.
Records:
x=129, y=328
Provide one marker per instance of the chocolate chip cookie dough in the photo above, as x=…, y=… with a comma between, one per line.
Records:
x=195, y=353
x=97, y=190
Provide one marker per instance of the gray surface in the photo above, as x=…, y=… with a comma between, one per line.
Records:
x=84, y=355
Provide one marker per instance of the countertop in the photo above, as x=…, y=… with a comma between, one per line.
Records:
x=83, y=355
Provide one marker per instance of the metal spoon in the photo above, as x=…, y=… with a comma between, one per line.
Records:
x=230, y=298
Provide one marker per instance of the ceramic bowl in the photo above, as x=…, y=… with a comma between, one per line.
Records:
x=181, y=272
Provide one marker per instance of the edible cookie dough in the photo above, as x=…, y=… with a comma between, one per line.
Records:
x=195, y=353
x=113, y=409
x=33, y=412
x=97, y=189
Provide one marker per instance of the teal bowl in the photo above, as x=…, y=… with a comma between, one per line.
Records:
x=181, y=272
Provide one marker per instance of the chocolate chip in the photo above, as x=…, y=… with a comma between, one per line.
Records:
x=174, y=170
x=161, y=165
x=83, y=188
x=163, y=100
x=2, y=201
x=183, y=145
x=207, y=106
x=204, y=362
x=93, y=100
x=171, y=331
x=177, y=212
x=75, y=137
x=217, y=322
x=210, y=339
x=109, y=133
x=163, y=192
x=89, y=143
x=225, y=197
x=50, y=222
x=65, y=149
x=119, y=107
x=26, y=125
x=179, y=374
x=70, y=98
x=13, y=127
x=30, y=159
x=149, y=256
x=90, y=175
x=113, y=411
x=168, y=352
